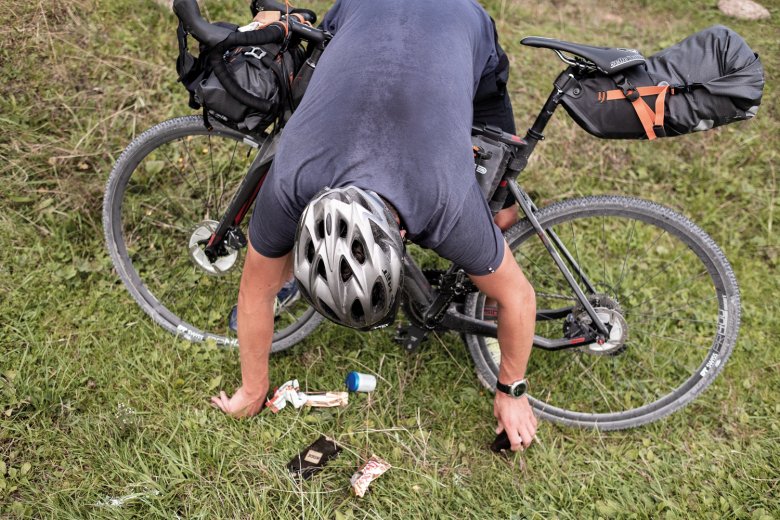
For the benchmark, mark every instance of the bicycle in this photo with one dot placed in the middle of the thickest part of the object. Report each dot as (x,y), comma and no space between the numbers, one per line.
(638,308)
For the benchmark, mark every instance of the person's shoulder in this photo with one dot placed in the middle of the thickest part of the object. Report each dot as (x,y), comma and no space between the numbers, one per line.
(333,18)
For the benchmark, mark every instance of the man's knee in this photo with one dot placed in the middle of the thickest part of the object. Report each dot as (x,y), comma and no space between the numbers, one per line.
(522,295)
(506,218)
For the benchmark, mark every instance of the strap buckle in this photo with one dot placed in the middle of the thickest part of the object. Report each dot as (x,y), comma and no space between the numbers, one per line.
(253,52)
(628,89)
(687,88)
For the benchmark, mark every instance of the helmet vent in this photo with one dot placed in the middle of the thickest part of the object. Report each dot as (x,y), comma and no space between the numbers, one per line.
(345,269)
(380,237)
(310,251)
(320,230)
(378,295)
(357,311)
(342,228)
(321,270)
(327,311)
(358,251)
(328,225)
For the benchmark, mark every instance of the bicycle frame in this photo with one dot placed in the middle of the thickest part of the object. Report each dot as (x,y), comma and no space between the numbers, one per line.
(420,292)
(436,303)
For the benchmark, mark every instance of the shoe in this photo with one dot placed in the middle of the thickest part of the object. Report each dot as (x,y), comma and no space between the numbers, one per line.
(285,298)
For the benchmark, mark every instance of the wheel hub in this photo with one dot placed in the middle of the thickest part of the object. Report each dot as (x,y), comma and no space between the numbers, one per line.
(609,312)
(198,240)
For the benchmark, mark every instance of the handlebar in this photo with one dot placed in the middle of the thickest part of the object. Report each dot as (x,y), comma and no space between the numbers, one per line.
(221,39)
(189,13)
(213,35)
(271,5)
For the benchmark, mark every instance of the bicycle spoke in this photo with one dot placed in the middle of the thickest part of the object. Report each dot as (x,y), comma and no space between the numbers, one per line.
(675,309)
(179,170)
(625,259)
(577,252)
(222,177)
(673,290)
(604,249)
(603,391)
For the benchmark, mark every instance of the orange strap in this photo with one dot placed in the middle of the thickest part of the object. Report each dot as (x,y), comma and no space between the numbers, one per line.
(281,24)
(300,18)
(648,118)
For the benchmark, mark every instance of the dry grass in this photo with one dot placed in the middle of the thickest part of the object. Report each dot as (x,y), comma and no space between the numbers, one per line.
(80,78)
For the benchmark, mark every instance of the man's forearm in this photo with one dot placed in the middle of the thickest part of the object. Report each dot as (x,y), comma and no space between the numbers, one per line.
(255,333)
(515,337)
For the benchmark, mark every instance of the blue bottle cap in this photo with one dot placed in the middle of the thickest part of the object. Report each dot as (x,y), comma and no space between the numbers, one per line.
(353,381)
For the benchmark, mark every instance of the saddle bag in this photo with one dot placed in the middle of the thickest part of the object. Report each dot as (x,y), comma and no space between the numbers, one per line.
(709,79)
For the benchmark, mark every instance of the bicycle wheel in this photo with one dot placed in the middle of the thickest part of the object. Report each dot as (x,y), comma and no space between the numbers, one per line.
(166,192)
(669,294)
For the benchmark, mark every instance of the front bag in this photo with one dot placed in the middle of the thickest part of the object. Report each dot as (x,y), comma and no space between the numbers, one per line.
(264,71)
(709,79)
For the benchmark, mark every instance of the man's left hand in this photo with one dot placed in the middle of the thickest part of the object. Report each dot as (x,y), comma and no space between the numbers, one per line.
(517,418)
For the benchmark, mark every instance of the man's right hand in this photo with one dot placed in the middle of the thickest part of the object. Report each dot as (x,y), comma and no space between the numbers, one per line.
(260,282)
(242,404)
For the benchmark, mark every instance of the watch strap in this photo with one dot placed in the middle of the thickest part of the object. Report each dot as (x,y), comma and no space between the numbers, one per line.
(510,390)
(503,388)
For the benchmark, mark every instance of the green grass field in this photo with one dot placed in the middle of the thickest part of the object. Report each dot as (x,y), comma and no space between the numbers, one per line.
(97,403)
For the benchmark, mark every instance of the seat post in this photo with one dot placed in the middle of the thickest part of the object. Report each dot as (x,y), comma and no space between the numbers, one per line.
(536,132)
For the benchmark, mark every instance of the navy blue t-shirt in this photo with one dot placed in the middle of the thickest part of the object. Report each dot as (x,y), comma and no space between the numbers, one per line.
(389,109)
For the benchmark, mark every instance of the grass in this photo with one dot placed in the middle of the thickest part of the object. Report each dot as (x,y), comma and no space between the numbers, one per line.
(98,403)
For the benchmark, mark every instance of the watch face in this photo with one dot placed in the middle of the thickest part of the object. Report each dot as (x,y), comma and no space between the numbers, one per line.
(519,388)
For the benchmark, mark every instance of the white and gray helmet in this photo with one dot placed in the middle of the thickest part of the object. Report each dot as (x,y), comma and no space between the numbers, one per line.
(349,258)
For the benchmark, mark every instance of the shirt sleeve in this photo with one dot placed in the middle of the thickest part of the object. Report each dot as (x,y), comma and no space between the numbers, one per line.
(332,18)
(271,229)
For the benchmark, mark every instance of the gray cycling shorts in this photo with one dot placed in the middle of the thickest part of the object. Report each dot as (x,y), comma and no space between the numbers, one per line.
(474,243)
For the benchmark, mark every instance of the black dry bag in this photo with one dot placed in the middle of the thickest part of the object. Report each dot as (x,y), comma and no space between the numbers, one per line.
(709,79)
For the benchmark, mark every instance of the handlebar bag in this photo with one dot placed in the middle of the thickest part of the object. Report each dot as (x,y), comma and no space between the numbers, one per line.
(262,71)
(709,79)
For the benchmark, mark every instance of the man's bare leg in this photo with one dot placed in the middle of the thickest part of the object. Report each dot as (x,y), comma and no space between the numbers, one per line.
(507,217)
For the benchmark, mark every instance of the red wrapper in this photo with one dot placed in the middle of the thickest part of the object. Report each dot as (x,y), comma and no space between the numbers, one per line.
(366,474)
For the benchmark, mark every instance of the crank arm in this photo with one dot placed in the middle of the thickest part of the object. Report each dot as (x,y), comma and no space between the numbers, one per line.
(459,322)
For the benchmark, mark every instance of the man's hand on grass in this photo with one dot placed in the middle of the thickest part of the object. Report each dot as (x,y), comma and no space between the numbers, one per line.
(242,404)
(517,418)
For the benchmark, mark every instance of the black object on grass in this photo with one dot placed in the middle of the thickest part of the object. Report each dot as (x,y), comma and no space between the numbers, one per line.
(313,459)
(501,443)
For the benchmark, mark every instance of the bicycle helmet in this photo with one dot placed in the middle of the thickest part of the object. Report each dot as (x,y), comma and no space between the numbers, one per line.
(348,258)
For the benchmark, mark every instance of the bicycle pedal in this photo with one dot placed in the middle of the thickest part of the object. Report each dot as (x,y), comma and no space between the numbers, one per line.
(410,337)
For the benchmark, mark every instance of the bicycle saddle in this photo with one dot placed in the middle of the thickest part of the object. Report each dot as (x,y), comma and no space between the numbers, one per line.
(608,60)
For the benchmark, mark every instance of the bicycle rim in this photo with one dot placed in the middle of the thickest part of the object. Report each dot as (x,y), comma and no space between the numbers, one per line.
(166,192)
(671,284)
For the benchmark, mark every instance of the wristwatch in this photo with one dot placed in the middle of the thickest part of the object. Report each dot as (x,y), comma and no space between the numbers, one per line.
(517,389)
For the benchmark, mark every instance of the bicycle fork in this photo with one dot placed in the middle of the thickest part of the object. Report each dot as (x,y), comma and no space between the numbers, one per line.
(228,235)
